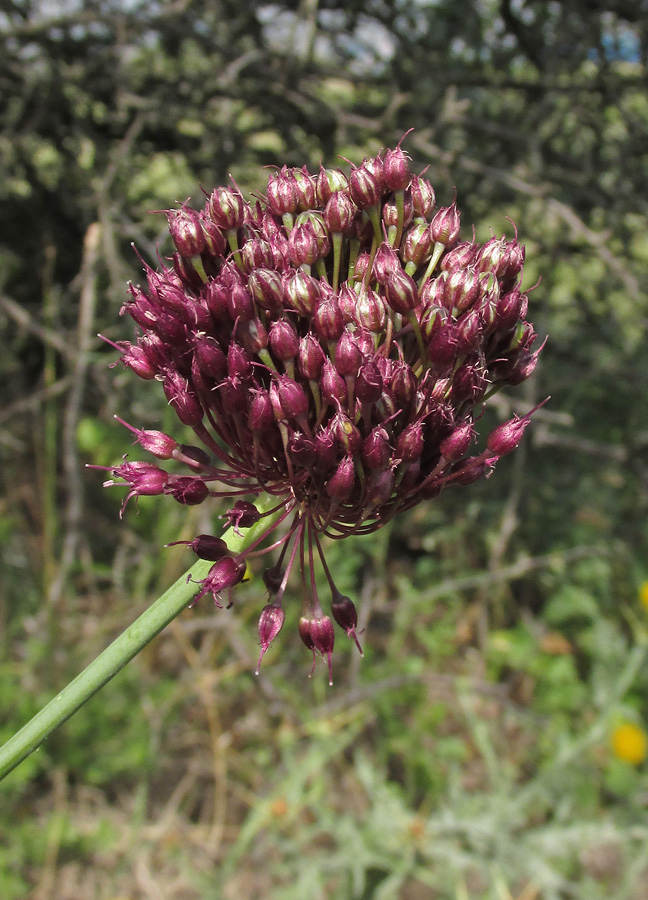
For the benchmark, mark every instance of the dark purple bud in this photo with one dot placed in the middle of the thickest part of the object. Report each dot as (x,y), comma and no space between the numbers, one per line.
(344,612)
(339,213)
(260,415)
(137,360)
(403,383)
(469,331)
(240,303)
(443,345)
(182,398)
(409,445)
(187,490)
(376,450)
(332,384)
(223,575)
(369,382)
(188,452)
(396,171)
(457,442)
(374,164)
(284,340)
(272,578)
(216,294)
(271,622)
(380,487)
(239,364)
(445,225)
(340,485)
(401,292)
(523,368)
(510,308)
(347,356)
(209,356)
(144,478)
(311,357)
(422,194)
(186,231)
(468,471)
(364,187)
(328,321)
(292,397)
(227,208)
(266,288)
(318,634)
(347,300)
(513,261)
(242,515)
(254,336)
(326,450)
(205,546)
(234,396)
(302,450)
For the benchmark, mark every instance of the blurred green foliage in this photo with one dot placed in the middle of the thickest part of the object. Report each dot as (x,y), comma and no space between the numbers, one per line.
(467,756)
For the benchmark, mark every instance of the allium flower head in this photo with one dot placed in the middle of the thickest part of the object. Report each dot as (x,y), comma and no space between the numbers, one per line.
(331,347)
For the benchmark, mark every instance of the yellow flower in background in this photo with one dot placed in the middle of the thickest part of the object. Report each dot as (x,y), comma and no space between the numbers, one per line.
(629,743)
(643,594)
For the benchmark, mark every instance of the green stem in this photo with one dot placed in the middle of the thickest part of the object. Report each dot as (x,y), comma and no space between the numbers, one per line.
(122,650)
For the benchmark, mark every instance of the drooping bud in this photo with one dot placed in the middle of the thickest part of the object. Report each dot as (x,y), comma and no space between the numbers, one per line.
(223,575)
(187,490)
(271,622)
(508,435)
(344,612)
(318,635)
(340,485)
(242,515)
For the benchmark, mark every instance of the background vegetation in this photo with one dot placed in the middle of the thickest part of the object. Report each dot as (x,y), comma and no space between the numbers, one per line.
(468,755)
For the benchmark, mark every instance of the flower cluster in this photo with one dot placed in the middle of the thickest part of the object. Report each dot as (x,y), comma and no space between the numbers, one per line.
(330,345)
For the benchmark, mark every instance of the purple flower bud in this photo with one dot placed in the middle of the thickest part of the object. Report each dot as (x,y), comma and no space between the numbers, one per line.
(325,447)
(260,415)
(328,182)
(186,404)
(433,320)
(328,321)
(347,356)
(369,382)
(242,515)
(209,356)
(144,478)
(223,575)
(318,634)
(302,292)
(339,213)
(443,346)
(417,244)
(271,622)
(370,310)
(457,442)
(156,442)
(315,221)
(187,490)
(282,192)
(284,340)
(340,485)
(401,292)
(422,194)
(461,256)
(344,612)
(333,386)
(311,357)
(508,435)
(306,189)
(186,231)
(272,578)
(492,257)
(386,264)
(403,383)
(390,215)
(445,225)
(266,288)
(234,396)
(303,247)
(468,471)
(469,331)
(396,171)
(137,360)
(240,303)
(376,450)
(227,208)
(409,445)
(205,546)
(461,290)
(510,308)
(239,364)
(364,187)
(346,433)
(215,242)
(302,450)
(292,397)
(380,487)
